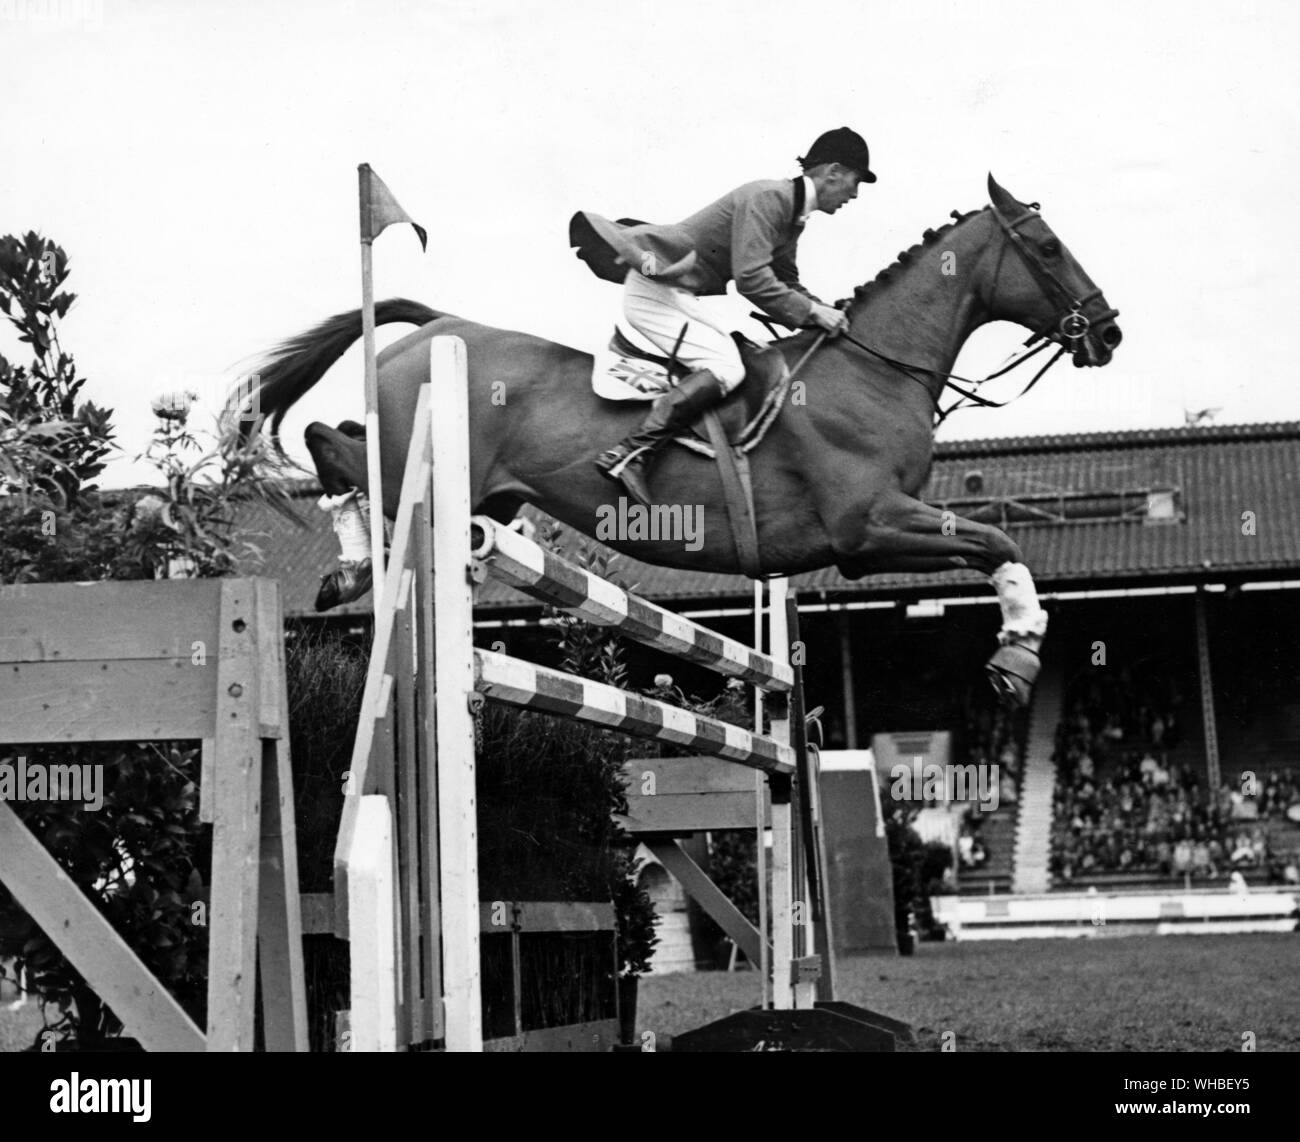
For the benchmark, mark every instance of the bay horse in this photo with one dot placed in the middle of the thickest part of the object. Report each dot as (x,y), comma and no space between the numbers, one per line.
(836,478)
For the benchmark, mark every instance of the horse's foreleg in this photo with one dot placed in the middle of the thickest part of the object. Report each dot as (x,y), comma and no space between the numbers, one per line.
(899,533)
(1014,667)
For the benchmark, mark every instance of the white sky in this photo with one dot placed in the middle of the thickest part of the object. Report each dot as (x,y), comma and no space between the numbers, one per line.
(198,162)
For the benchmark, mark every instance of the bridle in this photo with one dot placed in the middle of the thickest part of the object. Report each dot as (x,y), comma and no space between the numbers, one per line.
(1066,328)
(1073,324)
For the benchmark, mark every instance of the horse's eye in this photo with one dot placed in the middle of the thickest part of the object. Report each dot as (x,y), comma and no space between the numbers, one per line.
(1051,247)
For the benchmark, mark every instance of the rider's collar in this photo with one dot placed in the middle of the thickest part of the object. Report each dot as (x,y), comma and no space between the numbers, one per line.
(809,198)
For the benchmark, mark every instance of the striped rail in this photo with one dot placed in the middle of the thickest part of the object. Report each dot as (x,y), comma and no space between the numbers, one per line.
(520,683)
(517,560)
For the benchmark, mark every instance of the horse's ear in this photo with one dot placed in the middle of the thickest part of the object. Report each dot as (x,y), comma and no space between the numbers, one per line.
(1000,198)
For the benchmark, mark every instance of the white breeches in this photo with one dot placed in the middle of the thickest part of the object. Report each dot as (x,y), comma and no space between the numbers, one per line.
(658,312)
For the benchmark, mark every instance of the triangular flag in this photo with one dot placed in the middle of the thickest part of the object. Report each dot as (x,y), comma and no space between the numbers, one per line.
(379,209)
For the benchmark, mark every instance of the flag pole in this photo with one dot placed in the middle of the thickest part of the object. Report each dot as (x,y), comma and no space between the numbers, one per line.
(374,473)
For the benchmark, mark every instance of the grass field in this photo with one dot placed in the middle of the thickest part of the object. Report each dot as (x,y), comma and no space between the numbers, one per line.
(1137,993)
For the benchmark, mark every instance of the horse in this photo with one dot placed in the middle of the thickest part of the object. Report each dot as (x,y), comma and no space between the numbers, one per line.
(835,480)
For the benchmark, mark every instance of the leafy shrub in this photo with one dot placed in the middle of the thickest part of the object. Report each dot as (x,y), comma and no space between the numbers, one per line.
(138,858)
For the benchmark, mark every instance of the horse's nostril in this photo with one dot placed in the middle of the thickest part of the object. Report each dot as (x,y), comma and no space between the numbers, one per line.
(1111,336)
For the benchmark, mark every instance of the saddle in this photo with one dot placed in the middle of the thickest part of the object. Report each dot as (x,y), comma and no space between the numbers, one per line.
(724,434)
(745,414)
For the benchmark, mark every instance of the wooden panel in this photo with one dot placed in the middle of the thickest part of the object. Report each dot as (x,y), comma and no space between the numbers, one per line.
(691,812)
(79,622)
(578,1038)
(317,913)
(133,700)
(279,929)
(686,775)
(410,1011)
(372,920)
(272,697)
(784,995)
(427,775)
(546,916)
(235,803)
(692,794)
(207,762)
(103,958)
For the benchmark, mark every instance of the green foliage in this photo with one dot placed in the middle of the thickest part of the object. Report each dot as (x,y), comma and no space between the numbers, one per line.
(907,854)
(57,525)
(50,446)
(138,858)
(325,675)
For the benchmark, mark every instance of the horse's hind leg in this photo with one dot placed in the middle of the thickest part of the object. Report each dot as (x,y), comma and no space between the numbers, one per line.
(339,455)
(899,533)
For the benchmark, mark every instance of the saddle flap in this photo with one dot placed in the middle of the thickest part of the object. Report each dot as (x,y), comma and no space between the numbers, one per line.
(765,369)
(627,371)
(623,345)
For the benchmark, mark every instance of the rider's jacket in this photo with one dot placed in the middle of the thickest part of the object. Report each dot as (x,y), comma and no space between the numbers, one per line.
(749,236)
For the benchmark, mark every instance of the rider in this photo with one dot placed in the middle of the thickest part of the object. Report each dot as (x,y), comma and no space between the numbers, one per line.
(750,236)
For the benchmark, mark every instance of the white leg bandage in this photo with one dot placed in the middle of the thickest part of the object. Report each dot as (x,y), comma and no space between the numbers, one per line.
(350,514)
(1021,612)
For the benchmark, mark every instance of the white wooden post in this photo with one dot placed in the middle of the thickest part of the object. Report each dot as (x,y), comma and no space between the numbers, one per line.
(782,822)
(372,923)
(453,656)
(803,995)
(760,819)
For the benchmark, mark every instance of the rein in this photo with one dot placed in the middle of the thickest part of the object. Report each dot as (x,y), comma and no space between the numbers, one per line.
(910,371)
(1070,329)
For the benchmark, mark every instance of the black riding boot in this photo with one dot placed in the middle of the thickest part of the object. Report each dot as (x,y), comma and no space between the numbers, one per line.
(627,461)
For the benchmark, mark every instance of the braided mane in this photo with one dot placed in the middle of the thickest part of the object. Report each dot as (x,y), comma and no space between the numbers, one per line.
(928,238)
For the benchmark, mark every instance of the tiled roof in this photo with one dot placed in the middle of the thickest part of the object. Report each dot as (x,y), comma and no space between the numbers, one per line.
(1215,474)
(1126,438)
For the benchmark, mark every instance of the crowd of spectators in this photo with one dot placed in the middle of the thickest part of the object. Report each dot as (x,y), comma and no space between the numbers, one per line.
(991,735)
(1279,792)
(1122,806)
(970,845)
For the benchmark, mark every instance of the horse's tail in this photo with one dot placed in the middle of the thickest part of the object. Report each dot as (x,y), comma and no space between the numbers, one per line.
(295,365)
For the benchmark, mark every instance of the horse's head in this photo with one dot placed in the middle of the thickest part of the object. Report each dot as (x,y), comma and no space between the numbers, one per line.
(1036,282)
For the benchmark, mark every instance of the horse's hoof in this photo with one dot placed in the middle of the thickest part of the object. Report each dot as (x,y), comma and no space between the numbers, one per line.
(345,584)
(1013,670)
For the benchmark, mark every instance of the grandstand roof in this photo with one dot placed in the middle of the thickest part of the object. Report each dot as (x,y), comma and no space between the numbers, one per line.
(1084,508)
